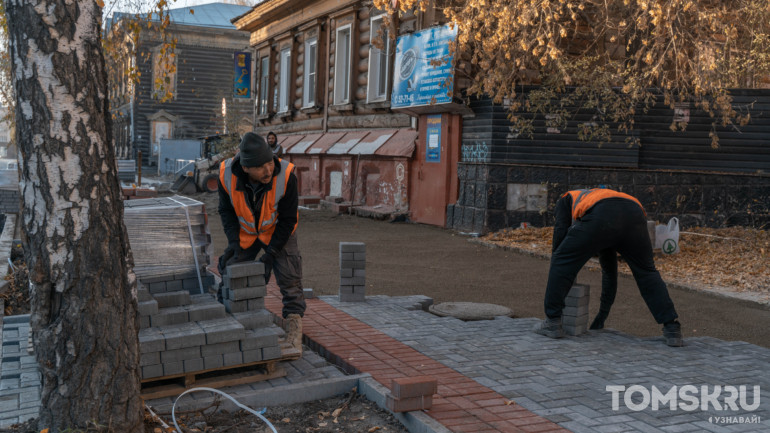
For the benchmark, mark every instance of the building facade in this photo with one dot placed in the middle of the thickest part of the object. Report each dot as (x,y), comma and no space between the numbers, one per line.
(198,95)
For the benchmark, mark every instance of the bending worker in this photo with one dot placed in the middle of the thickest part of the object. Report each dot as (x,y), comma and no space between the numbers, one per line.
(590,221)
(258,207)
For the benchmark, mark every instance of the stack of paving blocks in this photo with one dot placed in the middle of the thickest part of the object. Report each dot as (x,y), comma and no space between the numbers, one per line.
(575,315)
(170,241)
(411,393)
(352,272)
(183,333)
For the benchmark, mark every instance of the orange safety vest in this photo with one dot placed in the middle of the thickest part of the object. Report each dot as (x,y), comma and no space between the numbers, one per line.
(268,215)
(585,199)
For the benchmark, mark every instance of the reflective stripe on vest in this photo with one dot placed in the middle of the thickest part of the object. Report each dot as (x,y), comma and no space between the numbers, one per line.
(585,199)
(268,213)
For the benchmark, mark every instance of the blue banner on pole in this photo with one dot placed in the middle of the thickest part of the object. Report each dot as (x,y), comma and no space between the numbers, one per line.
(418,82)
(242,75)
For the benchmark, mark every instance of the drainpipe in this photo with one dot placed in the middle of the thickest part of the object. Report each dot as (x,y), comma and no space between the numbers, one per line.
(326,78)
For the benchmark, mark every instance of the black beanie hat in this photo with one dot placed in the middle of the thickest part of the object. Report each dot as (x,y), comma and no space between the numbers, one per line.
(254,150)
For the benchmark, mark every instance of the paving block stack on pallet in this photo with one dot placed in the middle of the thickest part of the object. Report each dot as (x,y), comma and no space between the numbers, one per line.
(575,314)
(352,272)
(183,333)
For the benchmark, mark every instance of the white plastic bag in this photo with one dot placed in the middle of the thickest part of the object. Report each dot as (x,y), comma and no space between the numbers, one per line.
(667,237)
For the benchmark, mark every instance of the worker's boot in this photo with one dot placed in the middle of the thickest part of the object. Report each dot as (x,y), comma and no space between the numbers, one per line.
(672,333)
(294,331)
(550,328)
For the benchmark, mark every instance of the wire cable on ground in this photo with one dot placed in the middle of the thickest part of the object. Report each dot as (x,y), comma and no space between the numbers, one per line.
(216,391)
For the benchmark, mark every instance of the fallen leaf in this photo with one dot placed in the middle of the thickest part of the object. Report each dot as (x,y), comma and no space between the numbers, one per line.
(508,402)
(375,428)
(287,420)
(322,424)
(337,412)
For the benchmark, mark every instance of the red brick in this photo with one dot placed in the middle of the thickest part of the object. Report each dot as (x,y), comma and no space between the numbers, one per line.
(405,387)
(408,404)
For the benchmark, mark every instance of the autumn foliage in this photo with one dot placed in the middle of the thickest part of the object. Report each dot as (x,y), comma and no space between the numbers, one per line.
(616,55)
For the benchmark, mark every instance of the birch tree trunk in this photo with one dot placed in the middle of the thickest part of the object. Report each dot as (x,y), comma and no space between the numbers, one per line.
(82,284)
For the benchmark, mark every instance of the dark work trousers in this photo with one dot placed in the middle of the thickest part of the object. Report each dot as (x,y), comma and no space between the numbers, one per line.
(287,268)
(618,224)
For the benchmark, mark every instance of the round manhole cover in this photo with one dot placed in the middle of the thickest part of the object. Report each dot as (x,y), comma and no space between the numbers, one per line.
(470,310)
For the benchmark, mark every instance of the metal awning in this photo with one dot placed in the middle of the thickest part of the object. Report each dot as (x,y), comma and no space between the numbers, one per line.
(380,142)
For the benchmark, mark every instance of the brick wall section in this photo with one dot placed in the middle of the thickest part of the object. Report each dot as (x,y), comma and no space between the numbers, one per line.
(485,202)
(461,404)
(9,200)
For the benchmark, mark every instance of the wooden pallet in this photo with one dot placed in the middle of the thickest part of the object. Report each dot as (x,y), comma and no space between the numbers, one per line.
(172,385)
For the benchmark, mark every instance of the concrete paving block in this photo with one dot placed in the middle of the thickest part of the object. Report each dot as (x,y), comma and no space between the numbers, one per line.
(220,348)
(246,293)
(222,330)
(159,287)
(346,272)
(143,295)
(146,281)
(151,340)
(232,359)
(272,352)
(353,297)
(355,281)
(307,292)
(150,371)
(151,358)
(575,311)
(236,306)
(255,304)
(202,298)
(359,272)
(235,282)
(574,321)
(210,362)
(579,290)
(353,264)
(173,368)
(359,289)
(147,308)
(170,316)
(353,247)
(183,335)
(359,256)
(174,285)
(185,275)
(144,322)
(206,311)
(173,298)
(347,256)
(256,281)
(576,330)
(254,319)
(191,284)
(252,356)
(346,290)
(581,301)
(259,338)
(193,365)
(245,269)
(178,355)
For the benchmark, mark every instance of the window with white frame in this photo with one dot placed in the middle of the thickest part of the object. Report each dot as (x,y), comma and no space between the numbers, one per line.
(283,92)
(379,63)
(342,66)
(311,54)
(264,84)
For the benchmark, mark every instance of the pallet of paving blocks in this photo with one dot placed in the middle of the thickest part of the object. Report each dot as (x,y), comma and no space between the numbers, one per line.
(352,272)
(188,340)
(575,313)
(170,242)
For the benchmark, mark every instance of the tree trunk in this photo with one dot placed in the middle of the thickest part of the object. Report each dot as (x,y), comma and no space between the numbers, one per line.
(82,284)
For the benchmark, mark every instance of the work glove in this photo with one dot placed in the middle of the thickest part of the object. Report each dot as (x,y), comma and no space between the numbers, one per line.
(268,258)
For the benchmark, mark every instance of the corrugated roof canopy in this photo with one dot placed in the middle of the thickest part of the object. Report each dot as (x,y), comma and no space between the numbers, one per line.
(382,142)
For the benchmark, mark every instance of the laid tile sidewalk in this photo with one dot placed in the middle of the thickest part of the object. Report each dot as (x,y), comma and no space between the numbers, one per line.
(19,376)
(565,380)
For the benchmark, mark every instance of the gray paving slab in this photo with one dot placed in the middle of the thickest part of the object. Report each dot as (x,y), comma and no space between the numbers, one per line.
(566,380)
(19,376)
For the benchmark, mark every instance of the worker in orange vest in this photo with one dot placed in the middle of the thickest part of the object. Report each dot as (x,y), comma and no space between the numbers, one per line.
(258,200)
(591,221)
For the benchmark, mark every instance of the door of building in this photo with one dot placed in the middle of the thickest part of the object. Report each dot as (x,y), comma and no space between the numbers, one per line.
(433,176)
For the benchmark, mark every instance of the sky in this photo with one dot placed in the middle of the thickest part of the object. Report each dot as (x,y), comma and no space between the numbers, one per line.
(134,6)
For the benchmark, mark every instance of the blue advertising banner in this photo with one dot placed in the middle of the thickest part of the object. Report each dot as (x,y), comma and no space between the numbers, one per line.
(242,75)
(416,81)
(433,140)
